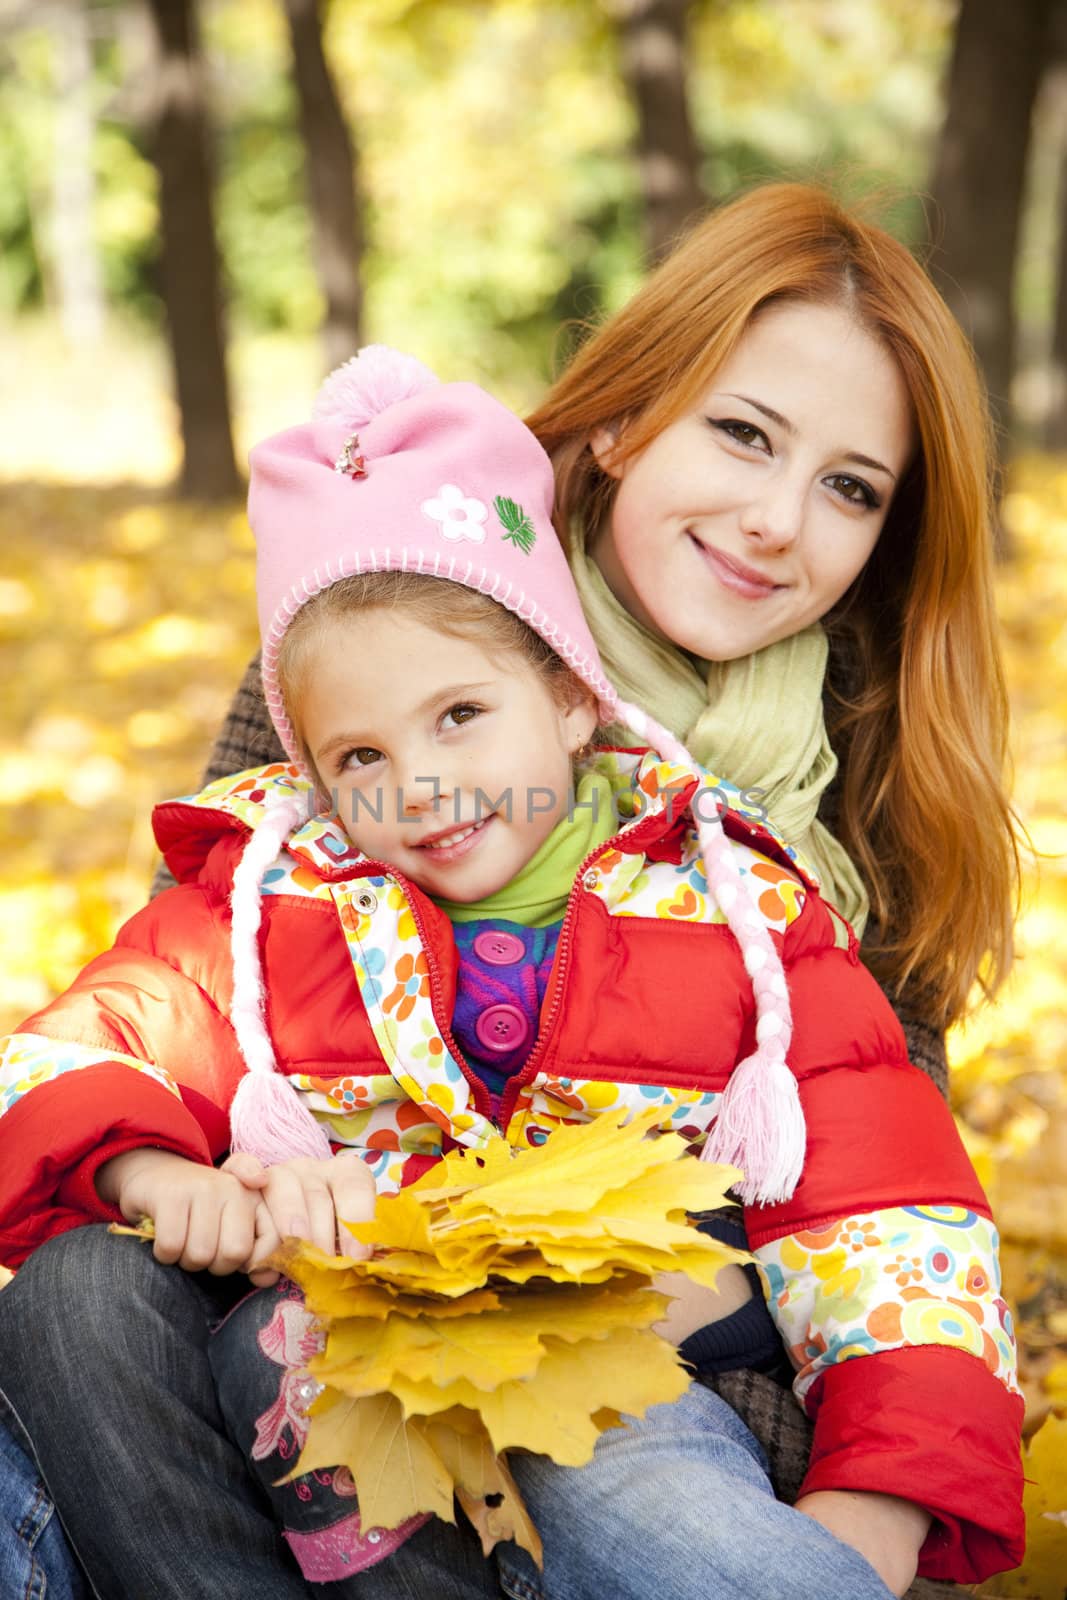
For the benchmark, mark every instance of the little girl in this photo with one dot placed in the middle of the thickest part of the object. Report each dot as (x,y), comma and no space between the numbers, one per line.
(447,916)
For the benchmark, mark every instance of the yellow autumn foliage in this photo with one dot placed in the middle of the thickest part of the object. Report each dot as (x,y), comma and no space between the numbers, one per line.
(507,1304)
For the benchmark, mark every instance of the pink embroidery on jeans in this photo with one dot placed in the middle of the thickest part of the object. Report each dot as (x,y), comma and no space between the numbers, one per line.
(290,1339)
(337,1552)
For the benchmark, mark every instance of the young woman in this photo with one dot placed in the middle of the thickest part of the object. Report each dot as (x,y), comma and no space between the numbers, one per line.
(875,739)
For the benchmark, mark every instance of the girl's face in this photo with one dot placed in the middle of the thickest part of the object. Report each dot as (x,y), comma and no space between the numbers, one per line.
(748,518)
(452,765)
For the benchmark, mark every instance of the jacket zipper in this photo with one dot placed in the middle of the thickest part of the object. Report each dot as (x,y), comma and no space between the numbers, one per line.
(483,1100)
(526,1074)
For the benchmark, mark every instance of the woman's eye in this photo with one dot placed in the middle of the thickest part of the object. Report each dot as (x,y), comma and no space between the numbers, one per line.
(741,432)
(457,715)
(854,490)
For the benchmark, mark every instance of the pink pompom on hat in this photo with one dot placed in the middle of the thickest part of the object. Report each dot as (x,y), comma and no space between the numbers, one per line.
(400,472)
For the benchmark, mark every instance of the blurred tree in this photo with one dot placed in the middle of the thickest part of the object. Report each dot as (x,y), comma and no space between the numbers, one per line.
(75,257)
(980,174)
(653,38)
(331,181)
(1056,425)
(1056,90)
(192,291)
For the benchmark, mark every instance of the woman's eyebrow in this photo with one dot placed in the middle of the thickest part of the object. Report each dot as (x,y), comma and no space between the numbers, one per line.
(783,422)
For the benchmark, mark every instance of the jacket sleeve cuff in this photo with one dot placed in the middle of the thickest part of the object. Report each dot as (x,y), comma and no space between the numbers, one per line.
(933,1426)
(64,1131)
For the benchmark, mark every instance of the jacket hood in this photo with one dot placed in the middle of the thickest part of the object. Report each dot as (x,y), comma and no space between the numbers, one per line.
(652,798)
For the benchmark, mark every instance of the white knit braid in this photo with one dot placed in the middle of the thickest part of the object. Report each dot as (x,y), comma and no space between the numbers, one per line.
(267,1116)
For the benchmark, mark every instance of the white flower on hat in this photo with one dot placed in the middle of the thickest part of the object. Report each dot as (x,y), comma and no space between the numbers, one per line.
(460,517)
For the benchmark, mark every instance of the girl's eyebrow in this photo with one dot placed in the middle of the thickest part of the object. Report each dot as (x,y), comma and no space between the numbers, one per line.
(789,427)
(452,691)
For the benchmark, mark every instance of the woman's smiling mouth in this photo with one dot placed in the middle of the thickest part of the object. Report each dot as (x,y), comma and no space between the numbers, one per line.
(736,575)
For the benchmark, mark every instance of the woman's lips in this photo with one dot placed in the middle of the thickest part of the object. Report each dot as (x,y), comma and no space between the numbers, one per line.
(735,575)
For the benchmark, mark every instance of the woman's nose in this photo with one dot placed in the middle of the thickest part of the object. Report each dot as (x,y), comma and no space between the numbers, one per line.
(775,519)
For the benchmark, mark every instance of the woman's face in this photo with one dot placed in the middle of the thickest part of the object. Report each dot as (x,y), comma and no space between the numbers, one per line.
(748,518)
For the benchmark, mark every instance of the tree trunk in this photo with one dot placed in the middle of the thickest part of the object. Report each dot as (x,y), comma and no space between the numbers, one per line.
(980,174)
(653,36)
(75,261)
(1056,418)
(330,170)
(192,291)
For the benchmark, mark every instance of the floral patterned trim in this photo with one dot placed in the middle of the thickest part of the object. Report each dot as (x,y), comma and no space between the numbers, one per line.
(28,1060)
(889,1280)
(549,1101)
(631,887)
(392,972)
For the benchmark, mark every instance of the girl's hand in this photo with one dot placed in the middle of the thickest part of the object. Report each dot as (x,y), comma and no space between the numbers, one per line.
(307,1199)
(204,1220)
(887,1531)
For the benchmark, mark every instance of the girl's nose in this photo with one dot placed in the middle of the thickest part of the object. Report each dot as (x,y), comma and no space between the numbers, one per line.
(421,793)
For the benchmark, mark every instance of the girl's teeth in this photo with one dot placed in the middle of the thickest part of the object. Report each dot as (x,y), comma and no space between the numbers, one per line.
(452,838)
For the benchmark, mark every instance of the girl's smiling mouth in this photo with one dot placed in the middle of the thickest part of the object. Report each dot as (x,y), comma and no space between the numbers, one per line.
(452,844)
(735,575)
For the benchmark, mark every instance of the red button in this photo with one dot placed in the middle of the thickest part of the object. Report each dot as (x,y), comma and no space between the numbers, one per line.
(499,949)
(502,1028)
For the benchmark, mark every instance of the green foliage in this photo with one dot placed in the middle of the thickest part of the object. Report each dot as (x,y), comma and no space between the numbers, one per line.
(494,141)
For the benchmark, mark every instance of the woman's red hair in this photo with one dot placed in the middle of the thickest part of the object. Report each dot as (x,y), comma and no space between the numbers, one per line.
(917,709)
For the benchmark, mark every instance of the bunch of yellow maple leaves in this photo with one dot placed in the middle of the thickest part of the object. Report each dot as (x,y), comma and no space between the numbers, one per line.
(507,1304)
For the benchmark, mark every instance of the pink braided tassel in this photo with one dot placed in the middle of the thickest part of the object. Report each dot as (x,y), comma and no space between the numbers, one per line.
(760,1124)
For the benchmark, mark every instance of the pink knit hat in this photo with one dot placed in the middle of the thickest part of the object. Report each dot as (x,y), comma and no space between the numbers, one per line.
(399,472)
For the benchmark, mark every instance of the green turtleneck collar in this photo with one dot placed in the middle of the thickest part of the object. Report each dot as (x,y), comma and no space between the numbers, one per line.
(538,894)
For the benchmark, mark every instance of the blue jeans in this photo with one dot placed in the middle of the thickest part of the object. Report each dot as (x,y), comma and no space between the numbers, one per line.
(675,1506)
(106,1359)
(35,1561)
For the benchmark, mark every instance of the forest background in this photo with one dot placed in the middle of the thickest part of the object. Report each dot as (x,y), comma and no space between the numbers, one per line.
(204,208)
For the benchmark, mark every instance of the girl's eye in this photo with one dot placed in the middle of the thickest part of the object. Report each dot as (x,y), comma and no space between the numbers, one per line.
(457,715)
(745,433)
(363,755)
(854,490)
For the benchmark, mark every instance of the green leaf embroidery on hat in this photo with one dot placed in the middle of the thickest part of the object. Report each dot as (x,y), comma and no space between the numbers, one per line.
(516,523)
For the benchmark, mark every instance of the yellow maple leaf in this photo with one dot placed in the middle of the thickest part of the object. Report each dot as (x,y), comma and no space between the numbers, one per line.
(583,1162)
(396,1469)
(1042,1574)
(487,1348)
(460,1439)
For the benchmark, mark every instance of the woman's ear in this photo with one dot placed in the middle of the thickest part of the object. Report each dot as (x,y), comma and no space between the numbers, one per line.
(604,443)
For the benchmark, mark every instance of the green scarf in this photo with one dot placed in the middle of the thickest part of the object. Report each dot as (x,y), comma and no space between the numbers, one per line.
(538,895)
(757,721)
